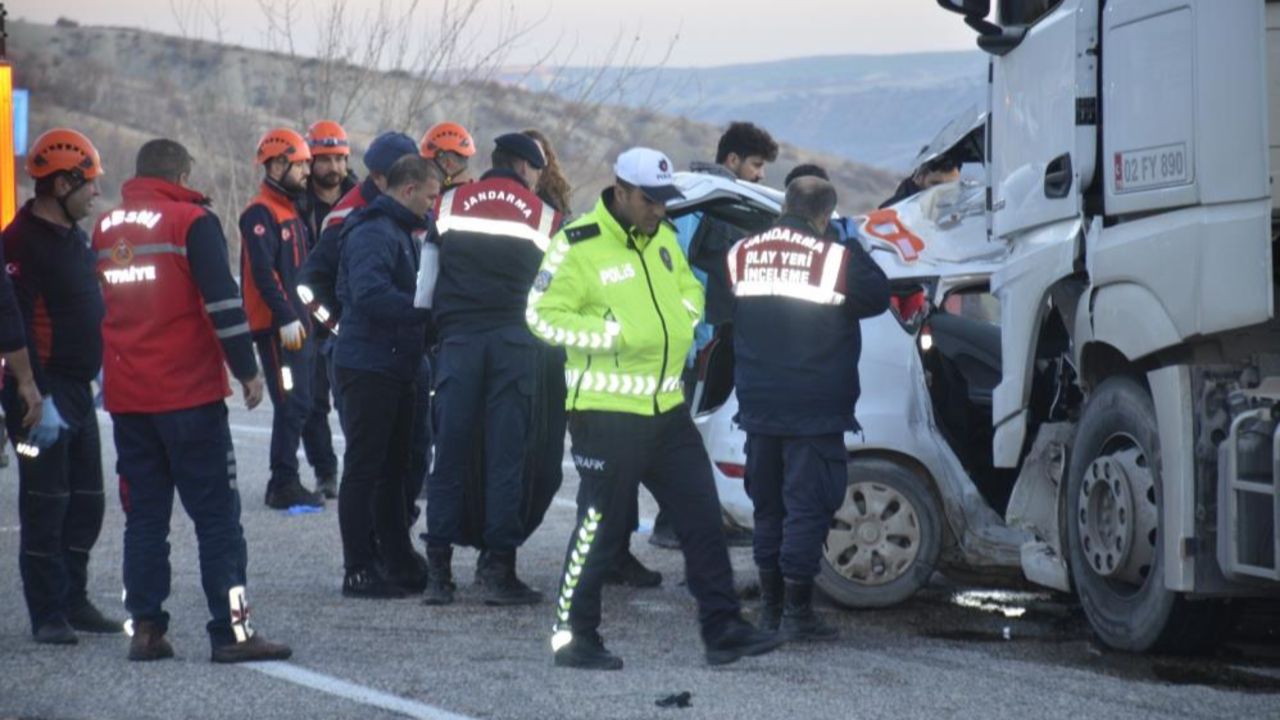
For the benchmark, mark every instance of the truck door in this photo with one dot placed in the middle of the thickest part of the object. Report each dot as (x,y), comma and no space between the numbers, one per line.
(1043,114)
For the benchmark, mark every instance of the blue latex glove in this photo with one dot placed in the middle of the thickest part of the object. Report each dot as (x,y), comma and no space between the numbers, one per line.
(846,230)
(46,432)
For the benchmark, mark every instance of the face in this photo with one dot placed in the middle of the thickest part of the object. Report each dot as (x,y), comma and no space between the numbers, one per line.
(638,210)
(451,163)
(420,198)
(80,202)
(528,173)
(328,171)
(749,169)
(295,178)
(938,177)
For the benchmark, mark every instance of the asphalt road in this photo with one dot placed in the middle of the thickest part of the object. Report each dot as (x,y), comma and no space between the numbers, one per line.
(951,652)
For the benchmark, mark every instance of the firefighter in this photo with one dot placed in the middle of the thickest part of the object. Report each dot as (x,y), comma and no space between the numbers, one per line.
(450,147)
(60,500)
(493,233)
(173,318)
(799,299)
(273,246)
(617,293)
(329,181)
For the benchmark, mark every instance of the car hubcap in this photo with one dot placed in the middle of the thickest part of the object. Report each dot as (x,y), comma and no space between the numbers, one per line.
(1117,516)
(875,535)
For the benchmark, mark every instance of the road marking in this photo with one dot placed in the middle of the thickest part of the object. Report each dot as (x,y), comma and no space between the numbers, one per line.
(338,687)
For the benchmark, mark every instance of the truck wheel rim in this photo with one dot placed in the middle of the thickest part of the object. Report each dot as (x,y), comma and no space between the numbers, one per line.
(1118,517)
(875,536)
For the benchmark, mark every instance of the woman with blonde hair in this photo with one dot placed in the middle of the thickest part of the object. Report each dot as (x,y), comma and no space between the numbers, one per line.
(553,187)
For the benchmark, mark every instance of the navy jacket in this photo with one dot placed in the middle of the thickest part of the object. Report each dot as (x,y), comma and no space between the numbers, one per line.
(798,302)
(381,330)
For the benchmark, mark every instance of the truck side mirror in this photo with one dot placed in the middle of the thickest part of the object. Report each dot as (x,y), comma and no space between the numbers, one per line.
(972,8)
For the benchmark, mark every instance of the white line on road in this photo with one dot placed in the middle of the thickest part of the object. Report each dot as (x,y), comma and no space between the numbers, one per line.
(350,691)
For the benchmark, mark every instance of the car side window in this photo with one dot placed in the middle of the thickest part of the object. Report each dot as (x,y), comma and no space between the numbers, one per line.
(1025,12)
(973,304)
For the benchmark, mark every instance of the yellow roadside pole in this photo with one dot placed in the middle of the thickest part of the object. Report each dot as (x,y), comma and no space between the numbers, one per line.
(8,174)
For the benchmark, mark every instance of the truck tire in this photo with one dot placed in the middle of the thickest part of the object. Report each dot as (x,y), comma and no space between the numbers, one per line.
(884,541)
(1114,499)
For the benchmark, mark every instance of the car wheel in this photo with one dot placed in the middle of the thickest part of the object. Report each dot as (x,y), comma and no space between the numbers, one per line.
(884,540)
(1114,499)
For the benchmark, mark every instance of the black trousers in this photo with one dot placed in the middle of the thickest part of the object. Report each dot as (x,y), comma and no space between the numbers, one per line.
(317,439)
(289,381)
(615,453)
(60,503)
(796,485)
(372,512)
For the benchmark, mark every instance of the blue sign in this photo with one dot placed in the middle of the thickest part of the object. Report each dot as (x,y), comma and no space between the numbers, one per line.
(21,102)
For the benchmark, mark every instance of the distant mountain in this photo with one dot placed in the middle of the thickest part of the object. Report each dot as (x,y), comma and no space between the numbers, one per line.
(875,109)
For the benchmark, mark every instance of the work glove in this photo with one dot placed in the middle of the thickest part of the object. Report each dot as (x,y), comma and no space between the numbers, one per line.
(46,432)
(292,335)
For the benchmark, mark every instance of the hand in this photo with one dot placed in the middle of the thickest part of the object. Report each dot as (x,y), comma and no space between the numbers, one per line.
(46,432)
(30,395)
(292,335)
(254,388)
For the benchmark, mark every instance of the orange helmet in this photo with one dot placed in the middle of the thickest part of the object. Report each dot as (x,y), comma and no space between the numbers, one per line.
(283,141)
(447,137)
(327,137)
(63,150)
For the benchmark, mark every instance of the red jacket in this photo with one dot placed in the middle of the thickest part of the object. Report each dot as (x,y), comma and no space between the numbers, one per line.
(161,351)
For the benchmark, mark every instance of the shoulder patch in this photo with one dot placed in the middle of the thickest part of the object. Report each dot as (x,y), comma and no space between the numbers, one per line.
(581,232)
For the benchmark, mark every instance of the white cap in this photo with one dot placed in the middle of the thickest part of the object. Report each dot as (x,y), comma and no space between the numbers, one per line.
(650,171)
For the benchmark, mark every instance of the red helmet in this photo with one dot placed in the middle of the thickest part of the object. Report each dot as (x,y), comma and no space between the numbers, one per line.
(447,137)
(283,141)
(327,137)
(63,150)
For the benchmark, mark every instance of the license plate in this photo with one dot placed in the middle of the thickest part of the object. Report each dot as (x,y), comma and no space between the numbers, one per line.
(1152,168)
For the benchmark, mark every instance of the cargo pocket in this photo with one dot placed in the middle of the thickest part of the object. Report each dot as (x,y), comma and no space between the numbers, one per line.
(835,462)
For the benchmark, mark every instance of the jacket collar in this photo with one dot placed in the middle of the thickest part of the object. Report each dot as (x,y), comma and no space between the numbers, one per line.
(277,191)
(402,216)
(795,222)
(504,174)
(28,214)
(142,189)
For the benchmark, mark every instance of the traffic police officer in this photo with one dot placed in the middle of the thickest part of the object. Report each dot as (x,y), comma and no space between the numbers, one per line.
(173,317)
(60,500)
(617,293)
(799,298)
(493,233)
(273,246)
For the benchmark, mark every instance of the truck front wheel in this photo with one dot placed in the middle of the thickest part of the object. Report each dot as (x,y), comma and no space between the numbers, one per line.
(1114,499)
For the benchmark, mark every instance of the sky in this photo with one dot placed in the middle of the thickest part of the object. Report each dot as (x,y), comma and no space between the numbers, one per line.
(582,32)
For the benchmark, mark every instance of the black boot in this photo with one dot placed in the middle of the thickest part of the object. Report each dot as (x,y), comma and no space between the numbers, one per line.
(54,632)
(586,651)
(282,495)
(440,585)
(628,570)
(498,582)
(770,599)
(737,638)
(148,642)
(799,622)
(368,582)
(88,619)
(327,486)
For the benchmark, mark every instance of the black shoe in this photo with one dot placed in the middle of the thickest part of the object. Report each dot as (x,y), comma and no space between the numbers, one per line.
(498,582)
(799,622)
(289,494)
(55,632)
(369,583)
(627,570)
(148,642)
(254,649)
(771,591)
(664,536)
(88,619)
(586,651)
(440,585)
(409,573)
(736,639)
(327,486)
(735,536)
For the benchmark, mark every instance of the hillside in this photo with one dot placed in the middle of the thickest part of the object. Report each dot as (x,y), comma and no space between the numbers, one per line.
(875,109)
(123,86)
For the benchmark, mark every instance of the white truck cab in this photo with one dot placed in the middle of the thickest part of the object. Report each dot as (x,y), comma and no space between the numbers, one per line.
(1131,153)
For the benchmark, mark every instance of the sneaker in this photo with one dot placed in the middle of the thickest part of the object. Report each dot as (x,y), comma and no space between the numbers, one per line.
(88,619)
(55,632)
(586,651)
(327,486)
(369,583)
(254,649)
(628,570)
(736,639)
(499,584)
(288,494)
(148,642)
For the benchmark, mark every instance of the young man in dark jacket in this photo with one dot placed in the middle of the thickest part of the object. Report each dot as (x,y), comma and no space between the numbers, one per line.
(380,348)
